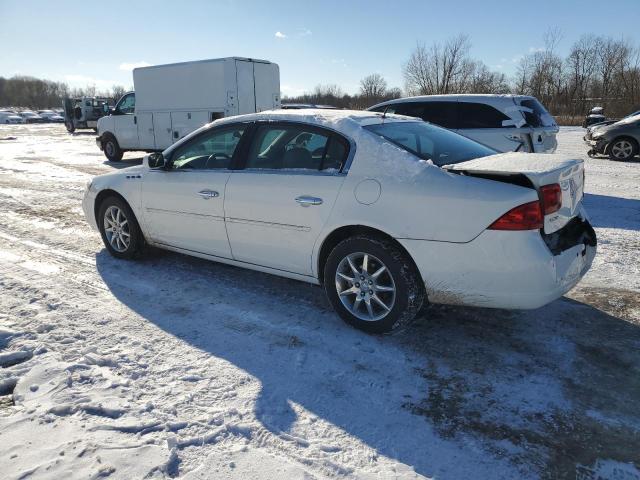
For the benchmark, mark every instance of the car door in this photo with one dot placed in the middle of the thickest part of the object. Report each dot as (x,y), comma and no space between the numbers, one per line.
(278,203)
(183,204)
(125,123)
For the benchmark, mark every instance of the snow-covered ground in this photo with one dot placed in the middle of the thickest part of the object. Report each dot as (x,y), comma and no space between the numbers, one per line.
(177,367)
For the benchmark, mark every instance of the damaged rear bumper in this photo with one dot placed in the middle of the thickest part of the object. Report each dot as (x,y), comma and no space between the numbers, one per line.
(514,270)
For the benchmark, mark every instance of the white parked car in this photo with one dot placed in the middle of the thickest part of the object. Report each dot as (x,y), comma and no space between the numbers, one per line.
(31,117)
(506,123)
(10,117)
(386,211)
(50,116)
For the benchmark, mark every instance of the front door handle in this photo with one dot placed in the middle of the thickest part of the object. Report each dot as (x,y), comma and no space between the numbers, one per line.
(306,200)
(207,194)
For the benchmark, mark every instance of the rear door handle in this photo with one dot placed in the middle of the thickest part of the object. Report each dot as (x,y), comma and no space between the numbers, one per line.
(306,200)
(207,194)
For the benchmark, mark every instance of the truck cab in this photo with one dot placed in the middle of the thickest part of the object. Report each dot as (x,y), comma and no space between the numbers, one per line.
(170,101)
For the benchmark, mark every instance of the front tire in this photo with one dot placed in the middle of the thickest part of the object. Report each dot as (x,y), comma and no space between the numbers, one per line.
(119,228)
(372,284)
(623,149)
(111,149)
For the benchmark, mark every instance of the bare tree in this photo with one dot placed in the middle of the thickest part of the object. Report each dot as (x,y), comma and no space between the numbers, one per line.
(117,91)
(373,86)
(447,68)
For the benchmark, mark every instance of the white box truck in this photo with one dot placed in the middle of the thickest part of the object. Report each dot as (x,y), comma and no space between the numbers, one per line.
(170,101)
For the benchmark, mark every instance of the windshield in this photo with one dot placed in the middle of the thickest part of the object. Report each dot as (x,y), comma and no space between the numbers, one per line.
(429,142)
(539,117)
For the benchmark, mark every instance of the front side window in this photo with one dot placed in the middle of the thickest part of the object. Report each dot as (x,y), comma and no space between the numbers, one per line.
(430,142)
(127,104)
(210,151)
(278,147)
(478,115)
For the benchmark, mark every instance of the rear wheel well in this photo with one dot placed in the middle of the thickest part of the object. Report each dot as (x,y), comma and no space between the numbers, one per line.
(345,232)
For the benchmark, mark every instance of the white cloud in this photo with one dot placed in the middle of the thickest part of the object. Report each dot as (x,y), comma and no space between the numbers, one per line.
(280,35)
(536,49)
(304,32)
(130,66)
(291,90)
(84,81)
(339,61)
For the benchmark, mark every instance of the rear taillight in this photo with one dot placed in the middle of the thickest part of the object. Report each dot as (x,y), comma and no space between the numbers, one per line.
(525,217)
(551,198)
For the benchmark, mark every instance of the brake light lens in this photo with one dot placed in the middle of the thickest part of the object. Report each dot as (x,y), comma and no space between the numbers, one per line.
(551,198)
(525,217)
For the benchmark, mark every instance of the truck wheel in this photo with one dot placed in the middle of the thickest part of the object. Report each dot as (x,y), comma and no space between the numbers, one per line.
(119,228)
(70,126)
(372,284)
(112,149)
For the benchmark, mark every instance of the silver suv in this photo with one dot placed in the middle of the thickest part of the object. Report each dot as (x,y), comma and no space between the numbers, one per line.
(505,123)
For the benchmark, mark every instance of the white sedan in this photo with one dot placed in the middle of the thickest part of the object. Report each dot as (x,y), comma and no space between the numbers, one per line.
(385,211)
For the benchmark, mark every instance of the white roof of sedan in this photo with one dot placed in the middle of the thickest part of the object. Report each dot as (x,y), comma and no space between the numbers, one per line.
(319,116)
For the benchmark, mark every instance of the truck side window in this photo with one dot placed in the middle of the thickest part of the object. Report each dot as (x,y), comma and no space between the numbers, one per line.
(127,104)
(210,151)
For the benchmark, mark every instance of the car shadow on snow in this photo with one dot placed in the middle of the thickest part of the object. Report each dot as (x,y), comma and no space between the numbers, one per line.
(600,207)
(541,392)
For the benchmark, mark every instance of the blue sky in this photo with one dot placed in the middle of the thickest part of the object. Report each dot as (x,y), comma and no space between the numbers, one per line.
(325,41)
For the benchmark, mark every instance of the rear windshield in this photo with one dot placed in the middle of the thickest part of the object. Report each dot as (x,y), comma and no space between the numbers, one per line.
(539,117)
(429,142)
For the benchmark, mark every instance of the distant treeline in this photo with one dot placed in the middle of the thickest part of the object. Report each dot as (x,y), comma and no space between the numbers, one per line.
(35,93)
(598,71)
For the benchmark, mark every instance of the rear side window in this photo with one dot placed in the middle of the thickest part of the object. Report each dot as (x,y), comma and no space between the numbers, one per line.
(479,115)
(298,147)
(444,114)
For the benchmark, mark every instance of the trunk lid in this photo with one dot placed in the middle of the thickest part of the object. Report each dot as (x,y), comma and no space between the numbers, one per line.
(534,171)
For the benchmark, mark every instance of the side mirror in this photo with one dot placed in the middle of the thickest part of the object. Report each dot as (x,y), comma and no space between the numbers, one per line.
(156,160)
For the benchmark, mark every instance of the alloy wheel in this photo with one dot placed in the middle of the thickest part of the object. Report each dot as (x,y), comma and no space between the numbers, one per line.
(365,286)
(622,149)
(116,229)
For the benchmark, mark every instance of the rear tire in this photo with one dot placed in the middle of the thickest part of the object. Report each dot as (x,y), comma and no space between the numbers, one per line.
(119,228)
(372,284)
(111,149)
(623,149)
